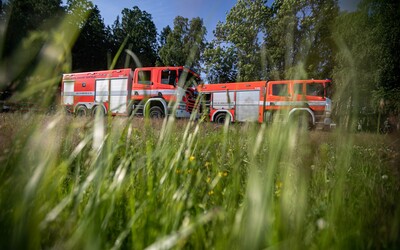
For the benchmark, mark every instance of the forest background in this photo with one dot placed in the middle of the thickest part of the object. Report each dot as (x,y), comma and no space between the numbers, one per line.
(286,40)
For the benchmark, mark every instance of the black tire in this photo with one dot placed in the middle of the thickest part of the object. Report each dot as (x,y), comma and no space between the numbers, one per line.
(156,112)
(98,109)
(302,120)
(81,111)
(220,118)
(268,117)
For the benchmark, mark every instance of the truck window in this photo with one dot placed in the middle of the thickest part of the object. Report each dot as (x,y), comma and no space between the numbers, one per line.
(315,89)
(298,88)
(189,79)
(168,77)
(280,89)
(144,77)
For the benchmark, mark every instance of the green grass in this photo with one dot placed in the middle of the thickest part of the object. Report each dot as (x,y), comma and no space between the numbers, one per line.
(133,183)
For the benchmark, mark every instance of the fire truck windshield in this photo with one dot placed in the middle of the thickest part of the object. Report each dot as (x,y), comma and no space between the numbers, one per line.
(315,89)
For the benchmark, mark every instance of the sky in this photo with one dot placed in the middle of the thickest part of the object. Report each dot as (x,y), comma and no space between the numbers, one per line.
(163,12)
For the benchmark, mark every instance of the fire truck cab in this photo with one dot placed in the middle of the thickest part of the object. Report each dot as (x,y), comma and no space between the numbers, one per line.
(152,91)
(289,100)
(267,101)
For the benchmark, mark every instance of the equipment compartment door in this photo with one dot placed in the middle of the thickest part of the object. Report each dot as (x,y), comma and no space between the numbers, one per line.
(247,105)
(223,100)
(68,92)
(102,90)
(119,94)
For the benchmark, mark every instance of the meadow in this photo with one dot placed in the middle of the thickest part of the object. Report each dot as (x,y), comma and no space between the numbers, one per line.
(134,183)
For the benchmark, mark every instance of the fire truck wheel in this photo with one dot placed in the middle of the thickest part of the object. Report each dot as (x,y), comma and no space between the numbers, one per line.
(302,120)
(220,118)
(98,109)
(81,111)
(156,112)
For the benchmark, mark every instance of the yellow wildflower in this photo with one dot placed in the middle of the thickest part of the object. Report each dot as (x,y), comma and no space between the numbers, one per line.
(278,187)
(222,174)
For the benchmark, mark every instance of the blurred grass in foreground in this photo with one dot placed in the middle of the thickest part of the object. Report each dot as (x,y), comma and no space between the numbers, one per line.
(132,183)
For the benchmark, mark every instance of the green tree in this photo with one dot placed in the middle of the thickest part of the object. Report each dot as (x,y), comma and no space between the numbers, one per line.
(164,35)
(368,61)
(239,36)
(138,34)
(90,50)
(26,27)
(298,40)
(162,40)
(2,14)
(25,16)
(384,20)
(220,63)
(2,26)
(185,43)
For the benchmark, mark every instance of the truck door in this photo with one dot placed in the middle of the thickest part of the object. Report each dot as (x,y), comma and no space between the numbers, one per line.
(119,95)
(166,87)
(102,94)
(278,95)
(247,105)
(68,92)
(315,95)
(144,85)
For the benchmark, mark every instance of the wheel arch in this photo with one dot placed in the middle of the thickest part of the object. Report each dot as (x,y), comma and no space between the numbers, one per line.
(156,102)
(98,105)
(297,110)
(82,104)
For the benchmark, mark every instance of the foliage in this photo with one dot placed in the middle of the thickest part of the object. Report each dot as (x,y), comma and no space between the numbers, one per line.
(220,63)
(354,63)
(298,41)
(25,16)
(90,50)
(164,35)
(366,68)
(184,44)
(25,26)
(139,31)
(384,20)
(238,35)
(162,40)
(2,13)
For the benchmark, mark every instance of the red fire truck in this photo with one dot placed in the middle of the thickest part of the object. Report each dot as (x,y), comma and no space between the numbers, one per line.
(152,91)
(266,101)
